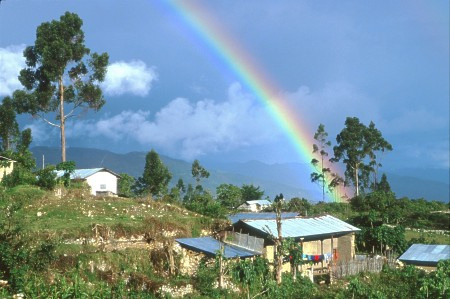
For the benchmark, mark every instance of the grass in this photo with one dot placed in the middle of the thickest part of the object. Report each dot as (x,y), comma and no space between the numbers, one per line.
(74,216)
(429,237)
(66,221)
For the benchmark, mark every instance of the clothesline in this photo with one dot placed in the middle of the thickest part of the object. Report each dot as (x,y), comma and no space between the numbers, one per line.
(317,257)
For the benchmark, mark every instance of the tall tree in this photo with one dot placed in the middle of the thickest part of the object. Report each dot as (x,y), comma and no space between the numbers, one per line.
(9,128)
(374,142)
(384,185)
(356,142)
(278,204)
(156,176)
(199,172)
(320,149)
(60,74)
(351,149)
(181,186)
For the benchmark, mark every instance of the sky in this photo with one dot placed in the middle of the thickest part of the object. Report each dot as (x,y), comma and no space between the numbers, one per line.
(167,88)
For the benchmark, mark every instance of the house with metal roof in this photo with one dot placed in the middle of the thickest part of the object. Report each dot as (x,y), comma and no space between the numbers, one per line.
(324,239)
(6,166)
(259,215)
(425,255)
(102,181)
(255,205)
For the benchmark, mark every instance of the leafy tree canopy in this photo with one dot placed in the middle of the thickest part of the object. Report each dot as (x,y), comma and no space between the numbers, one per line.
(125,184)
(354,143)
(61,73)
(230,196)
(156,176)
(9,128)
(199,172)
(251,192)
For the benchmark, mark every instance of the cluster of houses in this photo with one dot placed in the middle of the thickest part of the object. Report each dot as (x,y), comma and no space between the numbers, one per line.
(325,239)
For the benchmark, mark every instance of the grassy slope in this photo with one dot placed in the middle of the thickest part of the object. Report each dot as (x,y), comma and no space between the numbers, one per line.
(43,216)
(75,215)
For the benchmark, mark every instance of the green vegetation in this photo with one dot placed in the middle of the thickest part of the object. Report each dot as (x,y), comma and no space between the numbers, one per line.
(73,245)
(50,245)
(61,73)
(355,144)
(323,175)
(155,179)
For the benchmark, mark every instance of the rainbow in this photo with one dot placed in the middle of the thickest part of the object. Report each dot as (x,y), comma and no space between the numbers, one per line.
(238,61)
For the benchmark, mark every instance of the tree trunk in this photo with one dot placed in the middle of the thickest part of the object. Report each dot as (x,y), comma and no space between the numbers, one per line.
(221,274)
(62,120)
(294,272)
(323,182)
(357,180)
(278,245)
(375,175)
(6,143)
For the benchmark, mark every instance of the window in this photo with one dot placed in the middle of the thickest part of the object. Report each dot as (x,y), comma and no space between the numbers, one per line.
(103,186)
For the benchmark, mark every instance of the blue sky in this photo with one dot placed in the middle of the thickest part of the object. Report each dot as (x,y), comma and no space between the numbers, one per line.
(381,61)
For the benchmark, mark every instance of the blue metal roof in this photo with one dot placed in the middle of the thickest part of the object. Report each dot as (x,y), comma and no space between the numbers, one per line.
(83,173)
(211,246)
(241,216)
(303,227)
(425,255)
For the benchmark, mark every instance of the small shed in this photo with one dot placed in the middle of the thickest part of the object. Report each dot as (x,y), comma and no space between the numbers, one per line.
(425,255)
(195,249)
(101,180)
(255,205)
(6,166)
(210,247)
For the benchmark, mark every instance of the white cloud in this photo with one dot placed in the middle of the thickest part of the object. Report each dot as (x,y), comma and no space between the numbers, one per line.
(190,129)
(133,77)
(11,62)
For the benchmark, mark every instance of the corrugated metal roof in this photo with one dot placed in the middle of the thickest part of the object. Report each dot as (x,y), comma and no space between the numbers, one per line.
(265,215)
(427,255)
(83,173)
(7,159)
(303,227)
(211,246)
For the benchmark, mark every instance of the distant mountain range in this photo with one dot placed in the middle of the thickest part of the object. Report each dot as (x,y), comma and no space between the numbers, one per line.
(291,179)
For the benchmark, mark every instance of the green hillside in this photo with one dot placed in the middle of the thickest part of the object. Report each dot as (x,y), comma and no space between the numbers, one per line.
(78,242)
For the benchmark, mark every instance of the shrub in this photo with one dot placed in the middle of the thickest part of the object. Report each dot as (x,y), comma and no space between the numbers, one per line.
(46,178)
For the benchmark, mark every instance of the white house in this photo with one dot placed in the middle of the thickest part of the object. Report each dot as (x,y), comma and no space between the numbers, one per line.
(101,180)
(6,166)
(255,205)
